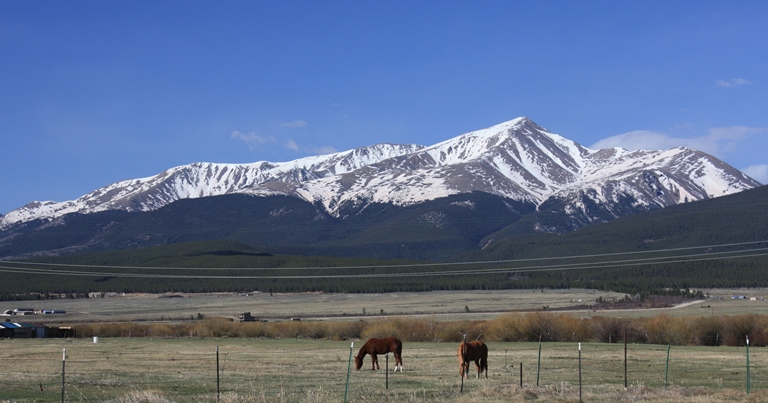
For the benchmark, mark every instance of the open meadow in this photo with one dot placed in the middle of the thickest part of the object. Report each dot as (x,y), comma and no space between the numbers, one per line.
(302,370)
(117,360)
(448,305)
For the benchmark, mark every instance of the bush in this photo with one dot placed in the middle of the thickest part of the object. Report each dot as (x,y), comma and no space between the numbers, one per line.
(663,329)
(709,331)
(611,330)
(530,327)
(737,328)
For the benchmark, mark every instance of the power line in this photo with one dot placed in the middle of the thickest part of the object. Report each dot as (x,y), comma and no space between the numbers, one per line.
(394,266)
(536,268)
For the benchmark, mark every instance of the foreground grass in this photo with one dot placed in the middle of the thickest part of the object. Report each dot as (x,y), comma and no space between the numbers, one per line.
(298,370)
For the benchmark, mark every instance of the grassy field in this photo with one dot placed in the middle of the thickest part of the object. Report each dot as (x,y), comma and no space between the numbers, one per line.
(142,369)
(442,304)
(290,370)
(448,305)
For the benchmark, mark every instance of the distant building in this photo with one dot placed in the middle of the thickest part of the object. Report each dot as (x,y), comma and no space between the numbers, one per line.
(27,331)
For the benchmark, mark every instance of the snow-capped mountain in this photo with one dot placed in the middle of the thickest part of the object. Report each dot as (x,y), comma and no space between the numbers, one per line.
(516,159)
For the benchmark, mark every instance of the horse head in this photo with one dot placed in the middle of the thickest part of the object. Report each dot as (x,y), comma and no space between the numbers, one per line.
(358,362)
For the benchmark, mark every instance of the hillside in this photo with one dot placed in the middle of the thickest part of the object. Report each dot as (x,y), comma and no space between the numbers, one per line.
(385,200)
(720,242)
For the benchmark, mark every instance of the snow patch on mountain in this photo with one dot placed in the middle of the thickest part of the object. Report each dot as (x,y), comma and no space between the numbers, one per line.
(517,159)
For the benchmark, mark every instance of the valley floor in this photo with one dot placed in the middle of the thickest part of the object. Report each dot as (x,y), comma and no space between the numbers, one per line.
(447,305)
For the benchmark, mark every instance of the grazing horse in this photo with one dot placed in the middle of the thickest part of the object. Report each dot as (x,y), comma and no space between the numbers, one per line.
(475,351)
(380,346)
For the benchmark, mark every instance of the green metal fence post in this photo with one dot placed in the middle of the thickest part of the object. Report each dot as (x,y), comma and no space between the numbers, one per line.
(538,367)
(349,369)
(666,369)
(625,359)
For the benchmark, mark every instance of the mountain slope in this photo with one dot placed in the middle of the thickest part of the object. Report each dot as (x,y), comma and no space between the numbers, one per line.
(285,224)
(711,243)
(516,160)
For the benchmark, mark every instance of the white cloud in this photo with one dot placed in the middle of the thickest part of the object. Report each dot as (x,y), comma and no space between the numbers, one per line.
(309,149)
(291,145)
(295,124)
(717,141)
(253,140)
(734,82)
(757,172)
(324,150)
(638,140)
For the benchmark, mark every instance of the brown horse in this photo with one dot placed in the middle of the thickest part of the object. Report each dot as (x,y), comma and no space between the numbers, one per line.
(380,346)
(475,351)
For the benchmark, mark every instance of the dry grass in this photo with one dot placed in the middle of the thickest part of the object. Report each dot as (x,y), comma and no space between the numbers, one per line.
(272,364)
(450,305)
(441,305)
(259,370)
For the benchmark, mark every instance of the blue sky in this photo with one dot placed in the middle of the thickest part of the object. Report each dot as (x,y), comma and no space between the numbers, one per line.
(94,92)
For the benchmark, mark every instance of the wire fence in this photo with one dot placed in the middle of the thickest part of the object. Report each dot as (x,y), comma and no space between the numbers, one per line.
(305,370)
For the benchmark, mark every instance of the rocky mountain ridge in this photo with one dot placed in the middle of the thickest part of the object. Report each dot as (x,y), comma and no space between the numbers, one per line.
(517,160)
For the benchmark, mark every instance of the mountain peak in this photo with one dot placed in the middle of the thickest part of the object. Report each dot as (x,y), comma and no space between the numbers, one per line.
(516,159)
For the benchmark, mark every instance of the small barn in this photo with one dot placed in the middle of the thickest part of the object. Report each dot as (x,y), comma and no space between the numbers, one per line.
(62,332)
(18,330)
(6,332)
(37,330)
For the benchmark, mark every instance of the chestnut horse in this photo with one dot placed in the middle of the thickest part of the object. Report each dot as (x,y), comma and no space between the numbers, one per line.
(380,346)
(475,351)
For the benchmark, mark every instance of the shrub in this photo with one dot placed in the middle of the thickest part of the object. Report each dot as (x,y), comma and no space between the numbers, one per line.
(611,330)
(737,328)
(709,331)
(574,329)
(663,329)
(540,326)
(506,327)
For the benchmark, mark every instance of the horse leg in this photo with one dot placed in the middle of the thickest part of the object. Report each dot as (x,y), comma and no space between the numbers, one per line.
(398,360)
(479,369)
(374,362)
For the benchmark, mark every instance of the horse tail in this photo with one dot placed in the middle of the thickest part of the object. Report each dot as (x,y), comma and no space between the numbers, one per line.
(484,360)
(395,346)
(464,359)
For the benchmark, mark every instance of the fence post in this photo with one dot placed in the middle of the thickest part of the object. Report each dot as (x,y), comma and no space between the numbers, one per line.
(538,367)
(386,370)
(666,369)
(748,379)
(521,374)
(63,368)
(579,372)
(625,359)
(349,367)
(218,388)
